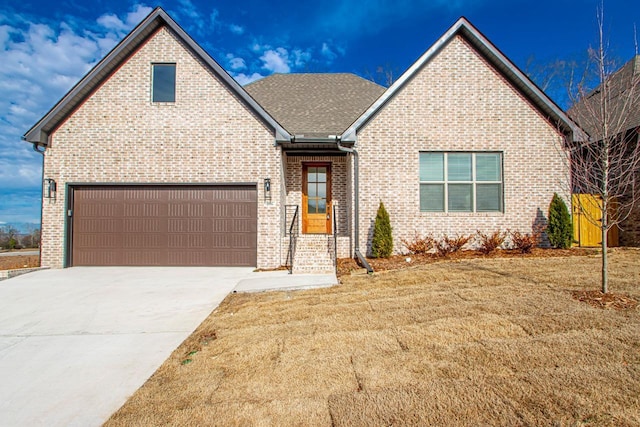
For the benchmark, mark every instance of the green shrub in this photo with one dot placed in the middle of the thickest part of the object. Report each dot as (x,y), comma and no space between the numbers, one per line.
(382,243)
(560,229)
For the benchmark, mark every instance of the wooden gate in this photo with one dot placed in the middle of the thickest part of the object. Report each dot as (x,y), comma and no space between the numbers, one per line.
(587,210)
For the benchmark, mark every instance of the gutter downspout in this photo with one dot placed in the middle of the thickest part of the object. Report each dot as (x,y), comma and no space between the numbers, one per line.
(356,213)
(35,148)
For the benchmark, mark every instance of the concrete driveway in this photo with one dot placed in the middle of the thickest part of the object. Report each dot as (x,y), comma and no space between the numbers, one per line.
(76,343)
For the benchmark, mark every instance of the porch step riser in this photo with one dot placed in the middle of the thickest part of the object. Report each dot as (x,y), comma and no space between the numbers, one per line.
(314,255)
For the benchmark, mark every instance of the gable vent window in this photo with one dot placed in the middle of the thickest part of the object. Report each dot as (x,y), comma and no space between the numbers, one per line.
(163,86)
(461,182)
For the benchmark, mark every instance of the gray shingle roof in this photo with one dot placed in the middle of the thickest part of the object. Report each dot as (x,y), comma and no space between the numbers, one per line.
(315,105)
(624,102)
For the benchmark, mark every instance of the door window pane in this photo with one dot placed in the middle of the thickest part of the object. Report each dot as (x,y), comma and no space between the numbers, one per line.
(164,83)
(459,167)
(322,190)
(312,204)
(488,167)
(311,189)
(312,175)
(322,206)
(322,175)
(460,197)
(488,197)
(432,197)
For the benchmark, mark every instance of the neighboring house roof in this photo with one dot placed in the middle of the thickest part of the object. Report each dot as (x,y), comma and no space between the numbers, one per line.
(624,105)
(39,133)
(315,105)
(500,62)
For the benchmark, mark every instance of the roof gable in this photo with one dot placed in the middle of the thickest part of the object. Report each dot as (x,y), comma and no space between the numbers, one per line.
(39,133)
(623,98)
(497,59)
(315,105)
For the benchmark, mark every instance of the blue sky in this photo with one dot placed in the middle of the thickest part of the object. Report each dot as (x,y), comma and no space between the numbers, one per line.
(46,47)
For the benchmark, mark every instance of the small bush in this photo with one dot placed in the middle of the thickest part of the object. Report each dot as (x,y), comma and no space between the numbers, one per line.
(418,245)
(488,243)
(525,242)
(448,245)
(458,242)
(560,229)
(382,242)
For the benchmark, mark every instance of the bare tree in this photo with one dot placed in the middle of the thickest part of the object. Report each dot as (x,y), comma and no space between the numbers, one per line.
(385,75)
(607,164)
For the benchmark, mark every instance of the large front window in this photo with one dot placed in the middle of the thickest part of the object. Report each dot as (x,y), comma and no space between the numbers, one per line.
(460,182)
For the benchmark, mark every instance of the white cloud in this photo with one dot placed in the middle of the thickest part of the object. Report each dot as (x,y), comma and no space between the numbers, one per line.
(276,60)
(213,17)
(236,63)
(326,51)
(40,63)
(244,79)
(136,16)
(112,22)
(236,29)
(300,57)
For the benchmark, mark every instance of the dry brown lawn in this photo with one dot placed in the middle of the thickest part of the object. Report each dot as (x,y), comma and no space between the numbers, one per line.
(18,261)
(461,342)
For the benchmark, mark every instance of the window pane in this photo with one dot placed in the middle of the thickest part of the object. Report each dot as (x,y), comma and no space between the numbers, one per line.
(322,189)
(322,206)
(311,189)
(164,83)
(459,167)
(489,198)
(431,167)
(432,197)
(322,174)
(488,167)
(460,197)
(311,205)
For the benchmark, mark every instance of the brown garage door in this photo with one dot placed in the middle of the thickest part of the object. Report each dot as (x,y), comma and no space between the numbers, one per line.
(164,225)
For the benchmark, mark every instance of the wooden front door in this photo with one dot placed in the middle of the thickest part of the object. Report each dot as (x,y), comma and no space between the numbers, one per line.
(316,198)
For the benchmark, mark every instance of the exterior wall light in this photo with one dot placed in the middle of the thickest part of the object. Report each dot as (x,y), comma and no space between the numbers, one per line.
(267,190)
(51,188)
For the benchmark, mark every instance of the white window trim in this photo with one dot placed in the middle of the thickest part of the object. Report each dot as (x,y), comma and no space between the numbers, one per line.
(474,182)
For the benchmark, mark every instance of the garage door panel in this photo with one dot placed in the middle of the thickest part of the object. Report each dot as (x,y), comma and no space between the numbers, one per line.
(164,225)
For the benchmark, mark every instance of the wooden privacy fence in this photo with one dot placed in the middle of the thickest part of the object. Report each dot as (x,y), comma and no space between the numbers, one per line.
(587,212)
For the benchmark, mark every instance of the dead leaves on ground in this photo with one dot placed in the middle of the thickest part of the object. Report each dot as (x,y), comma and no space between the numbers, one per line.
(606,301)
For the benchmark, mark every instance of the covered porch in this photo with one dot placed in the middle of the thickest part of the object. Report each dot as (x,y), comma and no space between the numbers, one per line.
(318,209)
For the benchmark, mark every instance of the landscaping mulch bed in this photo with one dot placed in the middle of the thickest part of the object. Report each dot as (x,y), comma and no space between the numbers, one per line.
(609,300)
(397,262)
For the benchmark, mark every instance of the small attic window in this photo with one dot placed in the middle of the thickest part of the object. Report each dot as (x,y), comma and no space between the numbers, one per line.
(163,83)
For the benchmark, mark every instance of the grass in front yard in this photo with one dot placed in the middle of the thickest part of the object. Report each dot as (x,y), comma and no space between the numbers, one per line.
(463,342)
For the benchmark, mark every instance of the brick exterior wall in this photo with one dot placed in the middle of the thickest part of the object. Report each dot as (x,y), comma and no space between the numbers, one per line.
(207,136)
(630,228)
(457,102)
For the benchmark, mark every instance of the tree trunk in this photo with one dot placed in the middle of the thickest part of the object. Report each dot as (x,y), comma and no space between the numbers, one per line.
(604,227)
